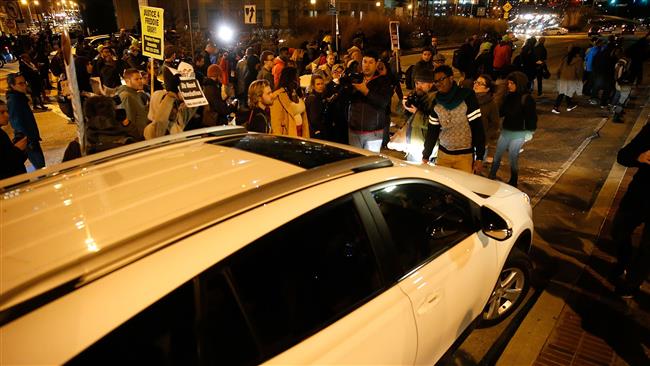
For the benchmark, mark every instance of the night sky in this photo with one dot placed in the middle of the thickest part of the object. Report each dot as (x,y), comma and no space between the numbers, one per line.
(98,15)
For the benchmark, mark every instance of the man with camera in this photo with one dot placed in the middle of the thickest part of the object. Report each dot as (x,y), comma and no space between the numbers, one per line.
(369,98)
(419,103)
(455,122)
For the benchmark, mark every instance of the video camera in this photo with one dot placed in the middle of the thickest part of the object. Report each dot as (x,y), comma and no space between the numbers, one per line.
(351,76)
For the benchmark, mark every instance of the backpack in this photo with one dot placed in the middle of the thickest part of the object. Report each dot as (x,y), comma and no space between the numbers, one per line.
(626,77)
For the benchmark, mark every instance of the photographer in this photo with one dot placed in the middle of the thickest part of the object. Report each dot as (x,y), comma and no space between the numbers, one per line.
(419,104)
(369,97)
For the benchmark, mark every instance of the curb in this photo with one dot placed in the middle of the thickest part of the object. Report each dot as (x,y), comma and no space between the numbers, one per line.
(537,327)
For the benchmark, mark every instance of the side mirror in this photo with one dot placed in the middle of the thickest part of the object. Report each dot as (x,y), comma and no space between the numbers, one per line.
(493,225)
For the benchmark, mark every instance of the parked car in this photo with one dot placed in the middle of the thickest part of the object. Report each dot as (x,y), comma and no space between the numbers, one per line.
(222,246)
(555,31)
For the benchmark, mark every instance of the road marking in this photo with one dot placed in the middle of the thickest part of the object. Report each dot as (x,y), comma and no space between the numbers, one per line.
(567,164)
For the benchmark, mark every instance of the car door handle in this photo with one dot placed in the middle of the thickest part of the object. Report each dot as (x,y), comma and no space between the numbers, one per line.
(429,303)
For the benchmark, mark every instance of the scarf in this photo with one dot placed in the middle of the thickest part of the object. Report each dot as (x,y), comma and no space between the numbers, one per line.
(453,98)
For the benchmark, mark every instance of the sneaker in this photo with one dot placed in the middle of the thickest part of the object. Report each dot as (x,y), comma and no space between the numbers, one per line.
(554,110)
(569,109)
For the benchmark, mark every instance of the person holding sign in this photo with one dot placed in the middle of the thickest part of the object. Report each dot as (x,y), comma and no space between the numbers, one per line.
(167,111)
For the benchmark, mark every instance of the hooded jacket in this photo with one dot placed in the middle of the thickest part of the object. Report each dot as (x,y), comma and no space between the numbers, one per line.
(136,111)
(519,108)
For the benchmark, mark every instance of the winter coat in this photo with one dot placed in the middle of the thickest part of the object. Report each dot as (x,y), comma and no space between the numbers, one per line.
(167,114)
(519,109)
(278,66)
(287,115)
(489,116)
(13,159)
(216,112)
(570,76)
(502,56)
(21,117)
(136,110)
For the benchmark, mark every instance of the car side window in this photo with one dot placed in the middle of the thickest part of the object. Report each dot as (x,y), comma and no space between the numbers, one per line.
(424,220)
(304,276)
(260,301)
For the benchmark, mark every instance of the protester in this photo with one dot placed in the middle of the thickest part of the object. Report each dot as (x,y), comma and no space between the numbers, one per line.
(624,79)
(455,122)
(12,153)
(167,111)
(367,106)
(484,89)
(132,103)
(569,80)
(103,129)
(315,104)
(541,54)
(217,111)
(32,76)
(633,211)
(502,56)
(519,124)
(260,99)
(288,112)
(267,67)
(22,119)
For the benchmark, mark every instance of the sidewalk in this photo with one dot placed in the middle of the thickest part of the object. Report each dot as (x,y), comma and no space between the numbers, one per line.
(577,319)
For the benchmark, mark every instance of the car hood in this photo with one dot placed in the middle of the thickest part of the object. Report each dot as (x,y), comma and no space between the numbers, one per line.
(480,185)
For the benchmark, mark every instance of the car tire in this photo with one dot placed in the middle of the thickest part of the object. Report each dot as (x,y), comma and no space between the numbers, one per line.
(510,290)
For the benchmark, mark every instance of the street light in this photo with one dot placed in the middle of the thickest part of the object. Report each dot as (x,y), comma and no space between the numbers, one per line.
(313,7)
(377,4)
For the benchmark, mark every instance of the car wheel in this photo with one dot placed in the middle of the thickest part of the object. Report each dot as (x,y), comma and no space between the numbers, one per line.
(510,290)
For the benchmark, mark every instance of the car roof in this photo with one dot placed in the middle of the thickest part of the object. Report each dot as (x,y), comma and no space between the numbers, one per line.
(91,214)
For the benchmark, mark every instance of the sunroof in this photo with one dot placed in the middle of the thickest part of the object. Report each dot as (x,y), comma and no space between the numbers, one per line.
(305,154)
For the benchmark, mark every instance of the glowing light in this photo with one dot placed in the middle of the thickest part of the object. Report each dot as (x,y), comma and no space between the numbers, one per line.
(91,245)
(225,33)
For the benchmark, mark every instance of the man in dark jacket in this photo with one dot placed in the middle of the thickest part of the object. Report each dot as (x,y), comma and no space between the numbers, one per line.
(455,122)
(22,119)
(132,103)
(13,154)
(367,108)
(634,211)
(216,112)
(425,62)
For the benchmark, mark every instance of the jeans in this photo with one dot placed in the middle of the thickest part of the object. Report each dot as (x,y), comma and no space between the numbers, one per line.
(513,143)
(35,154)
(367,140)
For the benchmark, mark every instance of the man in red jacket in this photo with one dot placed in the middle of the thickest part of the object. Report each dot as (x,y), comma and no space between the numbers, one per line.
(502,55)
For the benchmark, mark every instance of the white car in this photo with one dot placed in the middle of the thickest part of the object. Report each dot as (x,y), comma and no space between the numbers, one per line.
(222,246)
(551,31)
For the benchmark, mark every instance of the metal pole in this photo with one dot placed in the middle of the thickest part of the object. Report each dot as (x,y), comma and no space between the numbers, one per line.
(189,19)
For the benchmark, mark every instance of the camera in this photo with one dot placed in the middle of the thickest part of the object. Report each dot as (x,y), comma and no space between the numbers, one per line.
(411,100)
(351,76)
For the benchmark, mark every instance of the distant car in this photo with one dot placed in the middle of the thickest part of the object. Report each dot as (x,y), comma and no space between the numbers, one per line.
(551,31)
(95,41)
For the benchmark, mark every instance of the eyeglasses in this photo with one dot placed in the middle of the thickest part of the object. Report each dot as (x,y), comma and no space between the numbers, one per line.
(479,83)
(438,81)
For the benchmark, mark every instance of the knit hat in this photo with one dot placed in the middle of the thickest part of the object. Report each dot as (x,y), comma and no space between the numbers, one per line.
(423,74)
(214,71)
(439,57)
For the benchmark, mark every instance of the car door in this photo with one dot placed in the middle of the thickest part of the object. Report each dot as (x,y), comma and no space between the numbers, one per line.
(447,271)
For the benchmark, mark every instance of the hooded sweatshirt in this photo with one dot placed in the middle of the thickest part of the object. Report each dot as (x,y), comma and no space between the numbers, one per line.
(519,108)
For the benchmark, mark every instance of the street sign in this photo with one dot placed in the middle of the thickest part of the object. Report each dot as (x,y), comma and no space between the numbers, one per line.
(480,11)
(506,15)
(393,30)
(249,14)
(153,37)
(507,7)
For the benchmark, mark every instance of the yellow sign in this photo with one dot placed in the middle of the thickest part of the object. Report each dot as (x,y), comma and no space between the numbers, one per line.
(507,7)
(153,32)
(506,15)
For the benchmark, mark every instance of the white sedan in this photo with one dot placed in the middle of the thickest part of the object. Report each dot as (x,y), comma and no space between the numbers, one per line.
(555,31)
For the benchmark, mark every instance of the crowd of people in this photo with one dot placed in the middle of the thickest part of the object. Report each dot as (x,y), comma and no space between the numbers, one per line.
(316,91)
